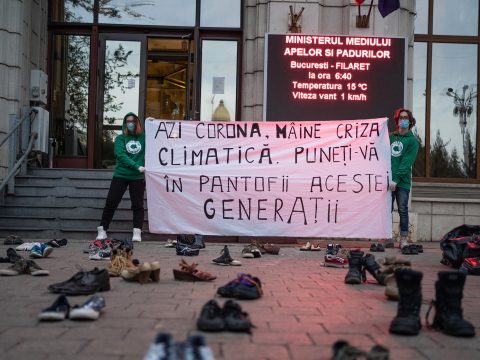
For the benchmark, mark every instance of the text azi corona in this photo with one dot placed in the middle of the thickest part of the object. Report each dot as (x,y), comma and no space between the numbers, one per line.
(211,155)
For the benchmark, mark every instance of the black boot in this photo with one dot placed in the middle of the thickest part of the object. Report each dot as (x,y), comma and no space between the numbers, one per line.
(355,261)
(407,321)
(448,305)
(372,267)
(198,242)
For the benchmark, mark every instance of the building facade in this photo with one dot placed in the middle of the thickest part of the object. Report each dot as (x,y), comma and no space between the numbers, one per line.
(196,59)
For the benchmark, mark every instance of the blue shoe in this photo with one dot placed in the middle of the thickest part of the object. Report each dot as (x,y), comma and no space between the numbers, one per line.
(46,250)
(90,310)
(163,348)
(36,252)
(57,311)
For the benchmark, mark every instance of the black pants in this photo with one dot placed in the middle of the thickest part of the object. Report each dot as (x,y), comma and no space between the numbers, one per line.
(118,187)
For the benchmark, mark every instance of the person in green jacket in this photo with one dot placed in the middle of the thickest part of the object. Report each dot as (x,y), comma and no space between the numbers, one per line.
(129,172)
(404,147)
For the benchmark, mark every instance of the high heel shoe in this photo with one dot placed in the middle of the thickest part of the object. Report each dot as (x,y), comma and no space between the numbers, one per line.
(144,275)
(155,271)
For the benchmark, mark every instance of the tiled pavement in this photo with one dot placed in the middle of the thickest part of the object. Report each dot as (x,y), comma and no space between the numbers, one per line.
(304,310)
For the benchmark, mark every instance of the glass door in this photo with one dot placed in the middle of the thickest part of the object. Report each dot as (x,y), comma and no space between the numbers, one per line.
(121,90)
(169,79)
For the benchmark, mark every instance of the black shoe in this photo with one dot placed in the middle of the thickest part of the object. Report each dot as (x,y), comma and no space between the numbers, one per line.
(13,240)
(342,350)
(407,321)
(369,264)
(448,305)
(196,349)
(57,311)
(235,318)
(248,288)
(355,263)
(185,250)
(13,256)
(211,317)
(83,283)
(225,258)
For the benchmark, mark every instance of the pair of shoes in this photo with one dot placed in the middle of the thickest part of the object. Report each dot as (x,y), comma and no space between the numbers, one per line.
(358,265)
(225,259)
(61,309)
(165,348)
(340,260)
(40,251)
(145,273)
(310,247)
(388,266)
(332,249)
(23,266)
(83,283)
(186,250)
(189,272)
(342,350)
(389,244)
(266,248)
(448,304)
(251,251)
(231,317)
(377,247)
(13,240)
(411,249)
(244,287)
(171,243)
(57,243)
(100,250)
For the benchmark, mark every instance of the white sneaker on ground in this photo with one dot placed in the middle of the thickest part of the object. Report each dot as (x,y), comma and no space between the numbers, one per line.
(403,242)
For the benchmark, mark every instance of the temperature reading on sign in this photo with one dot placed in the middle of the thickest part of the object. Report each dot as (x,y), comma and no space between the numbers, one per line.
(309,74)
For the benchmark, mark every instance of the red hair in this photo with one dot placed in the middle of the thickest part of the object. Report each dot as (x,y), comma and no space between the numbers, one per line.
(411,119)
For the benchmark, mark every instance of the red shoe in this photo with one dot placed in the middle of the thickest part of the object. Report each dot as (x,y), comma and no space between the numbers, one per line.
(335,261)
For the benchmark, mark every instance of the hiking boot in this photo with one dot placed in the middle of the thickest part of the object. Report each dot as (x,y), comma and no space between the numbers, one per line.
(198,243)
(211,318)
(101,233)
(83,283)
(90,310)
(225,258)
(370,265)
(391,289)
(355,262)
(59,310)
(163,348)
(448,305)
(137,235)
(235,318)
(407,321)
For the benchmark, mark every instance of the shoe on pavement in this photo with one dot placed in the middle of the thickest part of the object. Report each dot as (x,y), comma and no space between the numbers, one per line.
(211,317)
(83,283)
(137,235)
(19,267)
(225,258)
(163,348)
(35,270)
(389,244)
(245,287)
(13,240)
(197,349)
(12,255)
(57,311)
(235,318)
(186,250)
(99,254)
(247,252)
(90,310)
(101,233)
(335,261)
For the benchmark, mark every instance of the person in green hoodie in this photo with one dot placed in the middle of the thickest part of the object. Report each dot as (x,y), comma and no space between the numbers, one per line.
(129,172)
(404,147)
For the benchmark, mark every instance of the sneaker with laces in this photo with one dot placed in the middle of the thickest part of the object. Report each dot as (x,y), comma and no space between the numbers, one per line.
(36,252)
(163,348)
(245,287)
(59,310)
(19,267)
(330,250)
(335,261)
(101,233)
(225,258)
(235,318)
(196,349)
(90,310)
(211,317)
(35,270)
(99,254)
(186,250)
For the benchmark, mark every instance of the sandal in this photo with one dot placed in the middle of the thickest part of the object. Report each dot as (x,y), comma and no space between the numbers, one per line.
(189,272)
(306,247)
(316,247)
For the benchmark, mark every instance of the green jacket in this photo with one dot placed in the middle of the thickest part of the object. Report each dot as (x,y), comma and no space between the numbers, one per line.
(404,150)
(129,153)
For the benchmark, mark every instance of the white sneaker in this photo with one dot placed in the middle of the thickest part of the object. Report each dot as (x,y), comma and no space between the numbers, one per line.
(101,234)
(137,235)
(403,242)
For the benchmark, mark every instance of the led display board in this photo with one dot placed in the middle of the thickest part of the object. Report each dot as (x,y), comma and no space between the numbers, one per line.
(320,77)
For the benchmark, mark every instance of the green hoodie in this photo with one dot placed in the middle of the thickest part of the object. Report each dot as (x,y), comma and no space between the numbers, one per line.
(404,150)
(129,153)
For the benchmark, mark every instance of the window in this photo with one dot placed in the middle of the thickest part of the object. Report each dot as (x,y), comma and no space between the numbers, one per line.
(220,13)
(219,80)
(72,11)
(419,103)
(455,17)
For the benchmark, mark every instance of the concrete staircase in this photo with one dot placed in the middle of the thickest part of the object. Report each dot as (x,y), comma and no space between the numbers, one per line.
(64,203)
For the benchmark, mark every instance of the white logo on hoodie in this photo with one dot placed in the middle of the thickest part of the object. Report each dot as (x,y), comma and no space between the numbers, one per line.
(133,146)
(397,148)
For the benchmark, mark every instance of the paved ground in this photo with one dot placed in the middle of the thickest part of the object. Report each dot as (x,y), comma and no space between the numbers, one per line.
(305,309)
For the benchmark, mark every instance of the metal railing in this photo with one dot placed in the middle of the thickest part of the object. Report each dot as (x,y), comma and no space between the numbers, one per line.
(15,164)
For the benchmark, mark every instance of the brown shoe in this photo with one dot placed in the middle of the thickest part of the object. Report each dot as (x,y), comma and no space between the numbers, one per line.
(189,272)
(306,247)
(155,271)
(271,249)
